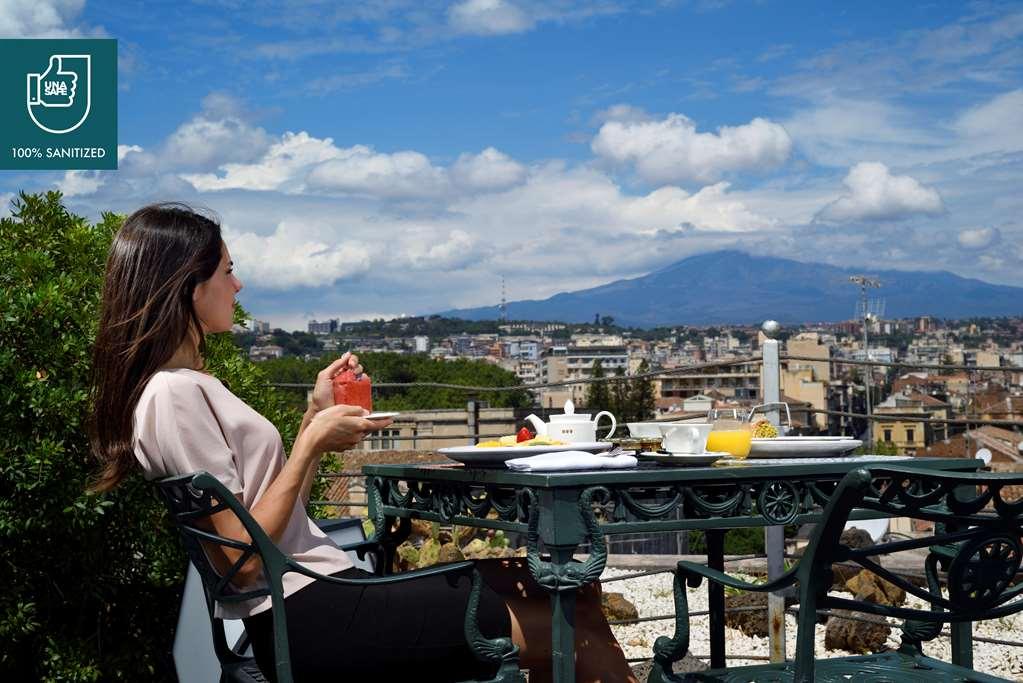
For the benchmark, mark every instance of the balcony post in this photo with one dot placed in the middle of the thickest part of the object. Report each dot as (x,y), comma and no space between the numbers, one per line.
(774,536)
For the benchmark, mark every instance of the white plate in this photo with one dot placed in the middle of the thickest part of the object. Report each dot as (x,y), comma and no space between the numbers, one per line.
(380,416)
(804,438)
(471,455)
(683,458)
(802,447)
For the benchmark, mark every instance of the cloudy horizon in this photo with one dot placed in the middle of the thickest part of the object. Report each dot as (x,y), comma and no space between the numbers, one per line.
(400,158)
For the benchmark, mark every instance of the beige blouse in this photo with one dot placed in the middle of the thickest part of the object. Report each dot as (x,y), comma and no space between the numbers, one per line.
(187,421)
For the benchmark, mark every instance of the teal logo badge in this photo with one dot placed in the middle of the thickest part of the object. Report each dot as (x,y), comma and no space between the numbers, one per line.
(67,116)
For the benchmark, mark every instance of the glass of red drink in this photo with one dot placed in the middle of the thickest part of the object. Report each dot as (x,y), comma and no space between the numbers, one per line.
(353,391)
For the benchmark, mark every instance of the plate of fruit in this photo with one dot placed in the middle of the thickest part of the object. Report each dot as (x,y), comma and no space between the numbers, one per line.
(492,452)
(770,441)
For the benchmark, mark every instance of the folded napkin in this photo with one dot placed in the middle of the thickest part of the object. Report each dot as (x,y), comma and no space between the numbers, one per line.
(570,460)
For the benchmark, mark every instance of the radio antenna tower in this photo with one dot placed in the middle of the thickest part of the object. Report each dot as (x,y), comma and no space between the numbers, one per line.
(504,303)
(865,310)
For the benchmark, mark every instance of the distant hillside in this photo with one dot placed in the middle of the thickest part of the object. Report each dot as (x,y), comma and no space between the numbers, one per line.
(735,287)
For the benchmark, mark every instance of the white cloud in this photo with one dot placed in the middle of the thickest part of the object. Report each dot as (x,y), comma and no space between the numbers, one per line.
(874,194)
(979,238)
(77,183)
(994,125)
(671,210)
(297,261)
(488,170)
(488,17)
(300,163)
(282,167)
(5,203)
(842,131)
(219,134)
(361,170)
(671,150)
(623,113)
(429,249)
(39,18)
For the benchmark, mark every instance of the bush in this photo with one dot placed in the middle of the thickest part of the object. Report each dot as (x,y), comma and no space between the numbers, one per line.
(91,583)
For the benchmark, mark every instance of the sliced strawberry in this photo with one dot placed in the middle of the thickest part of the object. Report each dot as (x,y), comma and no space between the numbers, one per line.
(523,435)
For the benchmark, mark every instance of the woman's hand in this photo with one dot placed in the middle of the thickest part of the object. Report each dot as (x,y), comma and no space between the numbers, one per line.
(341,427)
(323,391)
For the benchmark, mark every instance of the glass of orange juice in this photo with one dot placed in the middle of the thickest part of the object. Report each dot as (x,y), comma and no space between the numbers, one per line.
(730,433)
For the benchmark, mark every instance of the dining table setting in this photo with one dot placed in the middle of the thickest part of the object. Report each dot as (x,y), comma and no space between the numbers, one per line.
(568,483)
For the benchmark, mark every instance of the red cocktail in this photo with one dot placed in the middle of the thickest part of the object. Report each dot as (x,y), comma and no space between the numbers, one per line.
(353,391)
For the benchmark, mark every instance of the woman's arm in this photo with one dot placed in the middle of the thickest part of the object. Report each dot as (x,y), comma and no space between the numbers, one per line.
(335,429)
(310,477)
(321,398)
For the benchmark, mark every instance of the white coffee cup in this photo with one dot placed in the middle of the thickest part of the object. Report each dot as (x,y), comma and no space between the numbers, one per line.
(648,430)
(689,438)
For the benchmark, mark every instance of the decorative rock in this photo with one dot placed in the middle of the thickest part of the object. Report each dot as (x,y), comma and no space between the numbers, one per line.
(421,529)
(751,622)
(870,587)
(476,549)
(856,538)
(406,557)
(428,553)
(464,534)
(856,636)
(617,608)
(449,552)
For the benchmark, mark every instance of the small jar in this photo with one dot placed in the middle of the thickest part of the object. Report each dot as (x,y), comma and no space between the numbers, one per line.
(353,391)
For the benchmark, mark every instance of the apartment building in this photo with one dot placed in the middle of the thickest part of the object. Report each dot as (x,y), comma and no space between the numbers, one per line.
(909,435)
(566,363)
(737,382)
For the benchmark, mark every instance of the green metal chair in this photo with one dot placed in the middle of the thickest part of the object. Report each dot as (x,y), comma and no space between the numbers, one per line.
(977,542)
(192,498)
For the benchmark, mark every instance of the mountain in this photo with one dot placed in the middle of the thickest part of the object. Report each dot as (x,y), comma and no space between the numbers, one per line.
(735,287)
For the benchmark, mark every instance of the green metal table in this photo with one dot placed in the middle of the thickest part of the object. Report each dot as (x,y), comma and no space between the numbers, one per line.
(563,510)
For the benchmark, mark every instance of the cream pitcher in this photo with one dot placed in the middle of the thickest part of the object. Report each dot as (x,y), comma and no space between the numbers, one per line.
(571,427)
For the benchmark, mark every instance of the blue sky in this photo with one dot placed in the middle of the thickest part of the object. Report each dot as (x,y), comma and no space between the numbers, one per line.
(380,159)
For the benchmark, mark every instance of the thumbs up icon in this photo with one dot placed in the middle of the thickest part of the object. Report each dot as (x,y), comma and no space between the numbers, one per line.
(53,88)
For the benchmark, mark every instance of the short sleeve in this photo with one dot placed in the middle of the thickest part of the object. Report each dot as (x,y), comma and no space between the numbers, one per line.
(178,433)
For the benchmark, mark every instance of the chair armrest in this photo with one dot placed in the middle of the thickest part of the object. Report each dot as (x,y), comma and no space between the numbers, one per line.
(694,573)
(358,546)
(460,568)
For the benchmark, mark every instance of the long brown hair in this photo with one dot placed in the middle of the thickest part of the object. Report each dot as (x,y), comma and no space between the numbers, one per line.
(156,260)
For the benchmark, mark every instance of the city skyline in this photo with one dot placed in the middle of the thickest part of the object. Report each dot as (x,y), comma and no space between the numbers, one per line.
(397,158)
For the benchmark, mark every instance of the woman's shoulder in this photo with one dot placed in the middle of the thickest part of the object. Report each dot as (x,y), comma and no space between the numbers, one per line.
(180,382)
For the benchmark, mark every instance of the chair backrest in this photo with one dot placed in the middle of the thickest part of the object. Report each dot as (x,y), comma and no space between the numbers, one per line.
(977,529)
(191,500)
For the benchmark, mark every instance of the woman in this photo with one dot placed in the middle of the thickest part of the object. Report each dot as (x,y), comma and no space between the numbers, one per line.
(170,281)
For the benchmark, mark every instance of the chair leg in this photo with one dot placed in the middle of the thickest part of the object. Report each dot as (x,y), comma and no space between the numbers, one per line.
(667,651)
(805,633)
(962,644)
(493,650)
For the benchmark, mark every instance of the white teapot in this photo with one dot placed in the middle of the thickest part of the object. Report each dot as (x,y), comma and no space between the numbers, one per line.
(571,427)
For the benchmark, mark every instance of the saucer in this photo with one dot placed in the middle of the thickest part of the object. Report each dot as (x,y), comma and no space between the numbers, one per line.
(690,459)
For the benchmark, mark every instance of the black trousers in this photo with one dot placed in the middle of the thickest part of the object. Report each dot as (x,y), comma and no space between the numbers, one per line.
(411,630)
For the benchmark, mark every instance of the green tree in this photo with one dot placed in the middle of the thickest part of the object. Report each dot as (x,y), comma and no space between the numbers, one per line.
(410,368)
(91,582)
(621,406)
(597,395)
(642,400)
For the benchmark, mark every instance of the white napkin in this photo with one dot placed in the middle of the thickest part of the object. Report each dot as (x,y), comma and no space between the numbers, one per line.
(570,460)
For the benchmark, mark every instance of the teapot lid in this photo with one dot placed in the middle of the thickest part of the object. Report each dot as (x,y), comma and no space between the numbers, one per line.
(570,414)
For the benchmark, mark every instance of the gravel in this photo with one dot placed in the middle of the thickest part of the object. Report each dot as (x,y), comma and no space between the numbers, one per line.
(652,596)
